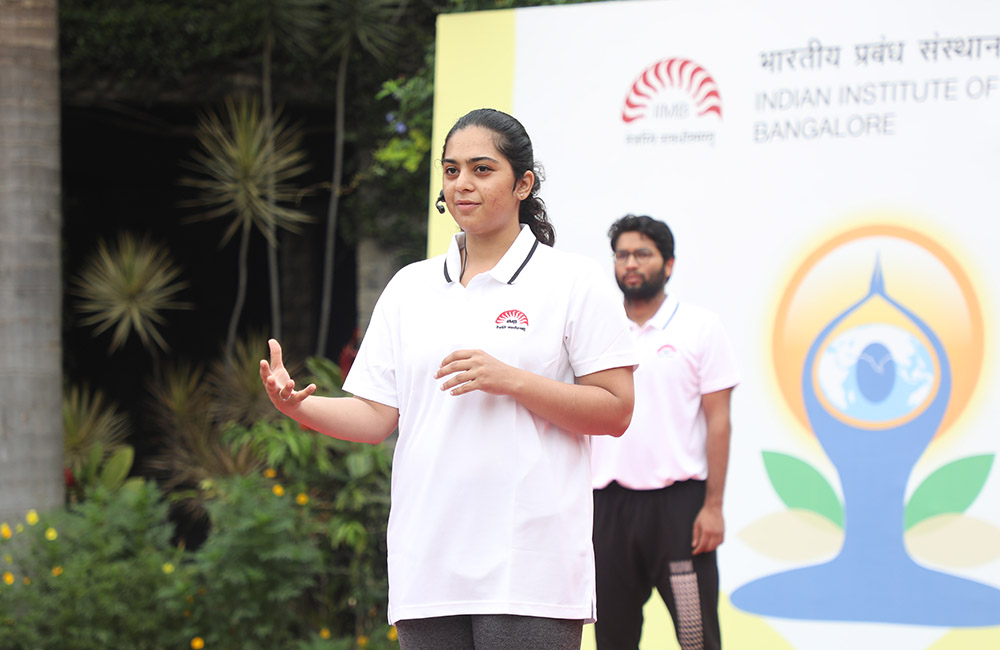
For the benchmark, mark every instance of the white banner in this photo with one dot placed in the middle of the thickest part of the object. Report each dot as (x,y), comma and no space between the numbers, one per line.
(829,172)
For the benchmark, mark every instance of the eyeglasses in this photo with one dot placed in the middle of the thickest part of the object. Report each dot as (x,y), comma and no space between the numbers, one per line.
(641,255)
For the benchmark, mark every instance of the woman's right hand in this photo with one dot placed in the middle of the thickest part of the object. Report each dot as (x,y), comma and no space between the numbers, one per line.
(279,385)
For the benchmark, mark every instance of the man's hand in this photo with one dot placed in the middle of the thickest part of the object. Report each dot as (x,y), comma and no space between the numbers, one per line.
(709,530)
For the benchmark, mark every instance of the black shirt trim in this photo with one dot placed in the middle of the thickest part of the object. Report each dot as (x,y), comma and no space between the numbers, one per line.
(524,263)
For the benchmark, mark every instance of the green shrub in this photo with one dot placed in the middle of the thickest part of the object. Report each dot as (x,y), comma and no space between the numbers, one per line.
(346,487)
(94,576)
(247,585)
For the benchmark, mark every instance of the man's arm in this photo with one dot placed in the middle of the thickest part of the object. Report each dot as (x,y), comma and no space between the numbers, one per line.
(709,527)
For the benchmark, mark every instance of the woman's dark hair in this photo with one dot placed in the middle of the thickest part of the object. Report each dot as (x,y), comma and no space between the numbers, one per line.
(513,143)
(658,231)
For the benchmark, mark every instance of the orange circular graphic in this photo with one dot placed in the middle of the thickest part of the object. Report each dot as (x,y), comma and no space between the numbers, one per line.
(918,273)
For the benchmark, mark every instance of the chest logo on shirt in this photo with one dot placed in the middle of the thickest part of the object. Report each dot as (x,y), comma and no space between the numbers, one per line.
(512,319)
(666,351)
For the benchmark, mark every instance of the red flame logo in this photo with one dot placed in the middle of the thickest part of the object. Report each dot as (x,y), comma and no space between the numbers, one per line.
(682,74)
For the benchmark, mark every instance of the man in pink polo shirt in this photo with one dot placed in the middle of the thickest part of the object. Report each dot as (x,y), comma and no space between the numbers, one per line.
(658,489)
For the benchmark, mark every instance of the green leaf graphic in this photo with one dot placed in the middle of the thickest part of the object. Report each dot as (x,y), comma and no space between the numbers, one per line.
(950,489)
(799,485)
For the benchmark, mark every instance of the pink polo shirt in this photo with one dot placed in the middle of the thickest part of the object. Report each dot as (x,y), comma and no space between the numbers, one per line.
(684,353)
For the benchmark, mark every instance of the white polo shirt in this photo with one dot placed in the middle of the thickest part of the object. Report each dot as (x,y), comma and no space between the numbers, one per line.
(491,506)
(684,354)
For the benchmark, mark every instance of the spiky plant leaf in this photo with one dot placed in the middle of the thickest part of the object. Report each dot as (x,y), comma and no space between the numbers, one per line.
(293,24)
(192,450)
(235,164)
(127,286)
(92,426)
(373,24)
(117,467)
(234,383)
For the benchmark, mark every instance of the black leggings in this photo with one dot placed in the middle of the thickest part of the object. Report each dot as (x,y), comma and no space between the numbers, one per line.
(489,632)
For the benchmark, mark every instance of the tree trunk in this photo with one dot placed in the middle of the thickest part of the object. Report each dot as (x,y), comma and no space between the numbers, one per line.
(241,290)
(326,298)
(272,240)
(31,435)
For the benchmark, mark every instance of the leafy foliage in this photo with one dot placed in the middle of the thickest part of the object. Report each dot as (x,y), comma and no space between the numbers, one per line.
(373,24)
(346,486)
(295,24)
(92,577)
(154,43)
(127,287)
(89,422)
(239,154)
(193,451)
(104,573)
(234,386)
(246,582)
(244,170)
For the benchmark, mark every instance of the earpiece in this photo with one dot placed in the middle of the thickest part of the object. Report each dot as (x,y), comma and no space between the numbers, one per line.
(439,204)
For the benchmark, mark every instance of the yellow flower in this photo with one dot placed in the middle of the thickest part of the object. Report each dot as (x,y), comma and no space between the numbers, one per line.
(51,534)
(197,643)
(27,580)
(8,577)
(325,633)
(302,498)
(57,571)
(168,568)
(5,531)
(278,490)
(362,641)
(391,634)
(19,528)
(31,517)
(270,473)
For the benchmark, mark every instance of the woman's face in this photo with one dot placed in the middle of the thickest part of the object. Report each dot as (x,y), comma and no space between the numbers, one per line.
(479,186)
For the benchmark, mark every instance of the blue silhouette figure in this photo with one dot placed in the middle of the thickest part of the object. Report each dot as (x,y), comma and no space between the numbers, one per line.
(874,443)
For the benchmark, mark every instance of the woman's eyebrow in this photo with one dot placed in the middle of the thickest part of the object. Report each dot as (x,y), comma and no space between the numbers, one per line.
(471,160)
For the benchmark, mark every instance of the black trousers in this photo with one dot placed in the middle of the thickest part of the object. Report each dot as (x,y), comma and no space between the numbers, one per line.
(642,539)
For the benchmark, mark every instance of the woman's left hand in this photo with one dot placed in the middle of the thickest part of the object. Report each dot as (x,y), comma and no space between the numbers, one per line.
(475,370)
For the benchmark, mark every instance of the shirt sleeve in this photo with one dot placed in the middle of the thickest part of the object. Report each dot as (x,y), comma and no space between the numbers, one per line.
(373,373)
(717,368)
(597,334)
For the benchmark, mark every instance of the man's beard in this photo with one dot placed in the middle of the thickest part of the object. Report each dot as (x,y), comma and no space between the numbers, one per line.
(649,289)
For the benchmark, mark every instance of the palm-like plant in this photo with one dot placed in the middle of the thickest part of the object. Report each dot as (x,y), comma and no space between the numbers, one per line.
(294,25)
(372,24)
(193,451)
(128,286)
(93,430)
(234,384)
(244,169)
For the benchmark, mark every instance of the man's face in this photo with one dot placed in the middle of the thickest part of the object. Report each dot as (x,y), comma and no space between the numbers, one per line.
(640,269)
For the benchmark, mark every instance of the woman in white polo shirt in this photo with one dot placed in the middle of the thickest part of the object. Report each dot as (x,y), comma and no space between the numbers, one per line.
(496,361)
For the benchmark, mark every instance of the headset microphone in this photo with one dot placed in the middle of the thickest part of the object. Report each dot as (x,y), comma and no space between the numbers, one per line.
(439,204)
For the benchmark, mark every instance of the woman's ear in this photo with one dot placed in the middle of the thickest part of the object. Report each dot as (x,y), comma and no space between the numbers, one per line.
(522,189)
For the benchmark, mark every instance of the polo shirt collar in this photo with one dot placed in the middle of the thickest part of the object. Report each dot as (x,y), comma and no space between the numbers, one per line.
(663,315)
(506,270)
